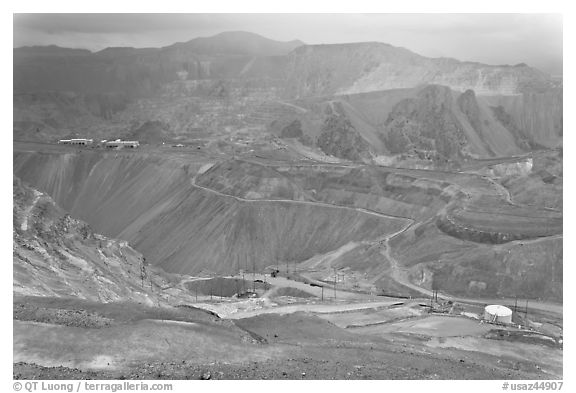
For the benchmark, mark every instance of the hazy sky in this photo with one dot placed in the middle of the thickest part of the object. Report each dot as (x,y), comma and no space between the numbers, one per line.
(535,39)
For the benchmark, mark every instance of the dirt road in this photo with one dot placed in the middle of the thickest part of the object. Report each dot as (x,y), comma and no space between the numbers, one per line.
(313,308)
(319,204)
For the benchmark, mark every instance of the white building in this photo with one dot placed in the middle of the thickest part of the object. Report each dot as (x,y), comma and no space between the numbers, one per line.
(498,313)
(77,141)
(118,143)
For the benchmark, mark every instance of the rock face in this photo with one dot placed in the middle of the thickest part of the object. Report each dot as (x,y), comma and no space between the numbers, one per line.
(57,255)
(432,124)
(339,138)
(427,125)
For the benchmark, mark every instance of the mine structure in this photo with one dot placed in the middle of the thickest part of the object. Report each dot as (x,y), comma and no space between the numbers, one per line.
(118,143)
(76,141)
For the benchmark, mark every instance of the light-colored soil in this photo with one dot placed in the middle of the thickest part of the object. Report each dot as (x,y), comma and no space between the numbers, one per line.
(434,326)
(360,318)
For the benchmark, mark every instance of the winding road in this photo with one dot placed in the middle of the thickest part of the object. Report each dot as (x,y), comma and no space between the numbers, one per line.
(397,273)
(292,201)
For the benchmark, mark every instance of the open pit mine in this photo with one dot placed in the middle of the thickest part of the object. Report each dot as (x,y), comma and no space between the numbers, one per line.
(234,207)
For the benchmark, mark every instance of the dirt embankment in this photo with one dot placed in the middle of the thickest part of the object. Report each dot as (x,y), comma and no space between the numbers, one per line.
(186,343)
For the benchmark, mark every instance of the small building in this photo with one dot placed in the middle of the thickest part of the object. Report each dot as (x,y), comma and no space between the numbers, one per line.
(76,141)
(118,143)
(497,313)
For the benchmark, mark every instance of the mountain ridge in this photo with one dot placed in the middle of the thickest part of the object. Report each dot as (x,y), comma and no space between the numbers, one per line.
(367,66)
(296,42)
(239,80)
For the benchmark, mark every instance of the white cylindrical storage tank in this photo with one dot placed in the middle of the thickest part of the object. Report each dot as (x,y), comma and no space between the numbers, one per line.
(497,313)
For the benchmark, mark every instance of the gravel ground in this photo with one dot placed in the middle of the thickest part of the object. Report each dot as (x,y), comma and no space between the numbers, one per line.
(292,346)
(76,318)
(319,363)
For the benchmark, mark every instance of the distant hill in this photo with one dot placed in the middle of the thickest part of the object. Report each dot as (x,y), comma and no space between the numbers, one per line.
(237,43)
(315,70)
(50,50)
(304,71)
(356,100)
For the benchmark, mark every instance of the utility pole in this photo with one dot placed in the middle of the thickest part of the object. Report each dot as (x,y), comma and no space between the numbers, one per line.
(515,303)
(245,263)
(253,276)
(526,313)
(235,279)
(322,292)
(335,278)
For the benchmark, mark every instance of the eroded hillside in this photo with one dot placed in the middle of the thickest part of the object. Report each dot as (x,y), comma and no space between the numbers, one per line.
(154,204)
(55,255)
(383,226)
(433,126)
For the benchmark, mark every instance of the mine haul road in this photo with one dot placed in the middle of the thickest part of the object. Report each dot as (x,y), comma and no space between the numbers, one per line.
(398,274)
(319,204)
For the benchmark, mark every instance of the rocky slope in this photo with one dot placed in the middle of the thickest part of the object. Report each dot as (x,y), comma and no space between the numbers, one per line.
(537,117)
(56,255)
(433,124)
